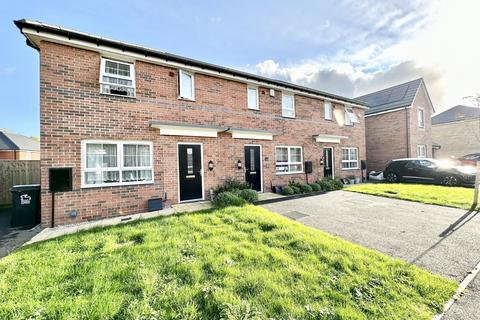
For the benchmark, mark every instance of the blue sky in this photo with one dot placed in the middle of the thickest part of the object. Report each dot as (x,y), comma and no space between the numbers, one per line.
(345,47)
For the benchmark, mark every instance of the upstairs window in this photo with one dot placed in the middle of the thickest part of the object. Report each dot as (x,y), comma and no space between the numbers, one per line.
(117,78)
(186,84)
(421,118)
(252,95)
(288,105)
(350,117)
(328,110)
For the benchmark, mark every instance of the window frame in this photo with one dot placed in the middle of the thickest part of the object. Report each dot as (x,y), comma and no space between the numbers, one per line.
(419,146)
(288,163)
(120,163)
(284,94)
(325,104)
(349,158)
(351,122)
(422,118)
(103,61)
(257,107)
(191,74)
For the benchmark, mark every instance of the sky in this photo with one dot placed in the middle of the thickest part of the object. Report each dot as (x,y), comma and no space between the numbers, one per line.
(345,47)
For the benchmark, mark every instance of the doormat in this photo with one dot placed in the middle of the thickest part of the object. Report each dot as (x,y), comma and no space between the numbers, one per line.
(295,215)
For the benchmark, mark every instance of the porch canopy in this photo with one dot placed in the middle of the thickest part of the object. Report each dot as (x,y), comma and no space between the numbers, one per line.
(328,138)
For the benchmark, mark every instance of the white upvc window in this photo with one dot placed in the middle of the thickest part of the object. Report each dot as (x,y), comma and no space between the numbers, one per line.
(112,163)
(186,84)
(350,117)
(421,118)
(349,158)
(328,110)
(252,97)
(288,159)
(117,78)
(421,151)
(288,105)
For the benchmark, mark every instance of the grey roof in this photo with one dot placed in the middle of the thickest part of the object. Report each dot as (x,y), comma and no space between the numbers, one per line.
(457,113)
(148,52)
(13,141)
(395,97)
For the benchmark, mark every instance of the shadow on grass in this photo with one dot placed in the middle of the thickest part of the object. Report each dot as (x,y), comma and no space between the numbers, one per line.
(469,215)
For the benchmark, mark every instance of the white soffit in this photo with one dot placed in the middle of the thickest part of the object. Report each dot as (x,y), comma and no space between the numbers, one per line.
(329,138)
(185,130)
(247,134)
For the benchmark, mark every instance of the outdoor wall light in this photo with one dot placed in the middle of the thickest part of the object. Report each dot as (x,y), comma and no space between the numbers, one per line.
(210,165)
(239,164)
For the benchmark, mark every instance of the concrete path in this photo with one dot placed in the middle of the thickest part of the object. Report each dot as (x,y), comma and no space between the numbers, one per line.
(443,240)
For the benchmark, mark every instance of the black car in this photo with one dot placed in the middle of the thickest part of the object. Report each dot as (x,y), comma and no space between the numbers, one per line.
(429,171)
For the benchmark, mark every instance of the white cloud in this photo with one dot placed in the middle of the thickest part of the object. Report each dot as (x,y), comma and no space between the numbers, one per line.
(441,47)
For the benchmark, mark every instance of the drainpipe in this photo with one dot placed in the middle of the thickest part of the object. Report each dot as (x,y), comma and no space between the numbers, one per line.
(407,125)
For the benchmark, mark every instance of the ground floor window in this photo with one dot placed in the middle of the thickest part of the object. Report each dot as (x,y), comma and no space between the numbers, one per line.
(349,158)
(107,163)
(421,151)
(288,160)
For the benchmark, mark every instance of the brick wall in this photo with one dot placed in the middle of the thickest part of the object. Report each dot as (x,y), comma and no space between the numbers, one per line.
(457,138)
(420,136)
(72,110)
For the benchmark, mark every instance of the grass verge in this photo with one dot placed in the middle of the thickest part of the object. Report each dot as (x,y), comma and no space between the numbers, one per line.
(232,263)
(457,197)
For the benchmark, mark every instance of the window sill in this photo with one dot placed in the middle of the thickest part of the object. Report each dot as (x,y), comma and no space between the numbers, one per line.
(116,184)
(346,169)
(287,173)
(117,95)
(288,117)
(186,99)
(253,109)
(328,119)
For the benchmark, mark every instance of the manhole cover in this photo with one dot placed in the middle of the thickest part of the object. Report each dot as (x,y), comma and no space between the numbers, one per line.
(295,215)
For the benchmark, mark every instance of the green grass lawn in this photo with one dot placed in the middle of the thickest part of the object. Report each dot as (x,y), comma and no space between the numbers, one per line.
(234,263)
(457,197)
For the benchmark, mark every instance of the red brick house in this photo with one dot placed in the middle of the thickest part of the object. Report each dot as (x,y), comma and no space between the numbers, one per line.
(15,146)
(398,125)
(135,123)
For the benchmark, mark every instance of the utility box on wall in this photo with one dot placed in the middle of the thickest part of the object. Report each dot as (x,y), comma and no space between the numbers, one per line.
(308,167)
(60,179)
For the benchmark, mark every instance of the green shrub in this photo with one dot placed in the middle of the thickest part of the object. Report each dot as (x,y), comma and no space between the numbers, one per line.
(226,199)
(231,185)
(296,190)
(315,186)
(293,183)
(248,195)
(306,188)
(326,184)
(337,184)
(288,191)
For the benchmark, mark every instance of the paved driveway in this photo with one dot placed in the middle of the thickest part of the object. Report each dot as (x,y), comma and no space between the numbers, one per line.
(442,240)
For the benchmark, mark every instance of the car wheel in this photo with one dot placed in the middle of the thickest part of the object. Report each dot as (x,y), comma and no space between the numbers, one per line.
(392,177)
(450,181)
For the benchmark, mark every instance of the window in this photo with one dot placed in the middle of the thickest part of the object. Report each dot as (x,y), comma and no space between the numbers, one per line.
(252,95)
(108,163)
(350,117)
(288,160)
(421,151)
(328,110)
(117,78)
(186,85)
(288,105)
(421,118)
(349,158)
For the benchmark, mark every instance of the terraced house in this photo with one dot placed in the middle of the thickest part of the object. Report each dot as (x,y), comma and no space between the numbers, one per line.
(135,124)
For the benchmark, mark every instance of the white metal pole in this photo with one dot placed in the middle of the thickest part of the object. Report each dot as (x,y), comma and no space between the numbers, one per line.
(477,182)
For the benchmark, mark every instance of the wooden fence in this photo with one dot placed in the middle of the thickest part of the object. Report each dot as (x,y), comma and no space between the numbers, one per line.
(14,172)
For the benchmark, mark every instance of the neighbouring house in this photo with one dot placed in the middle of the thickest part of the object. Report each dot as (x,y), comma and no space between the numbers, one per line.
(457,132)
(135,124)
(397,125)
(15,146)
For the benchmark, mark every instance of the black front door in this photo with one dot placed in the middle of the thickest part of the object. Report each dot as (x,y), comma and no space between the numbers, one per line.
(190,171)
(328,162)
(253,170)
